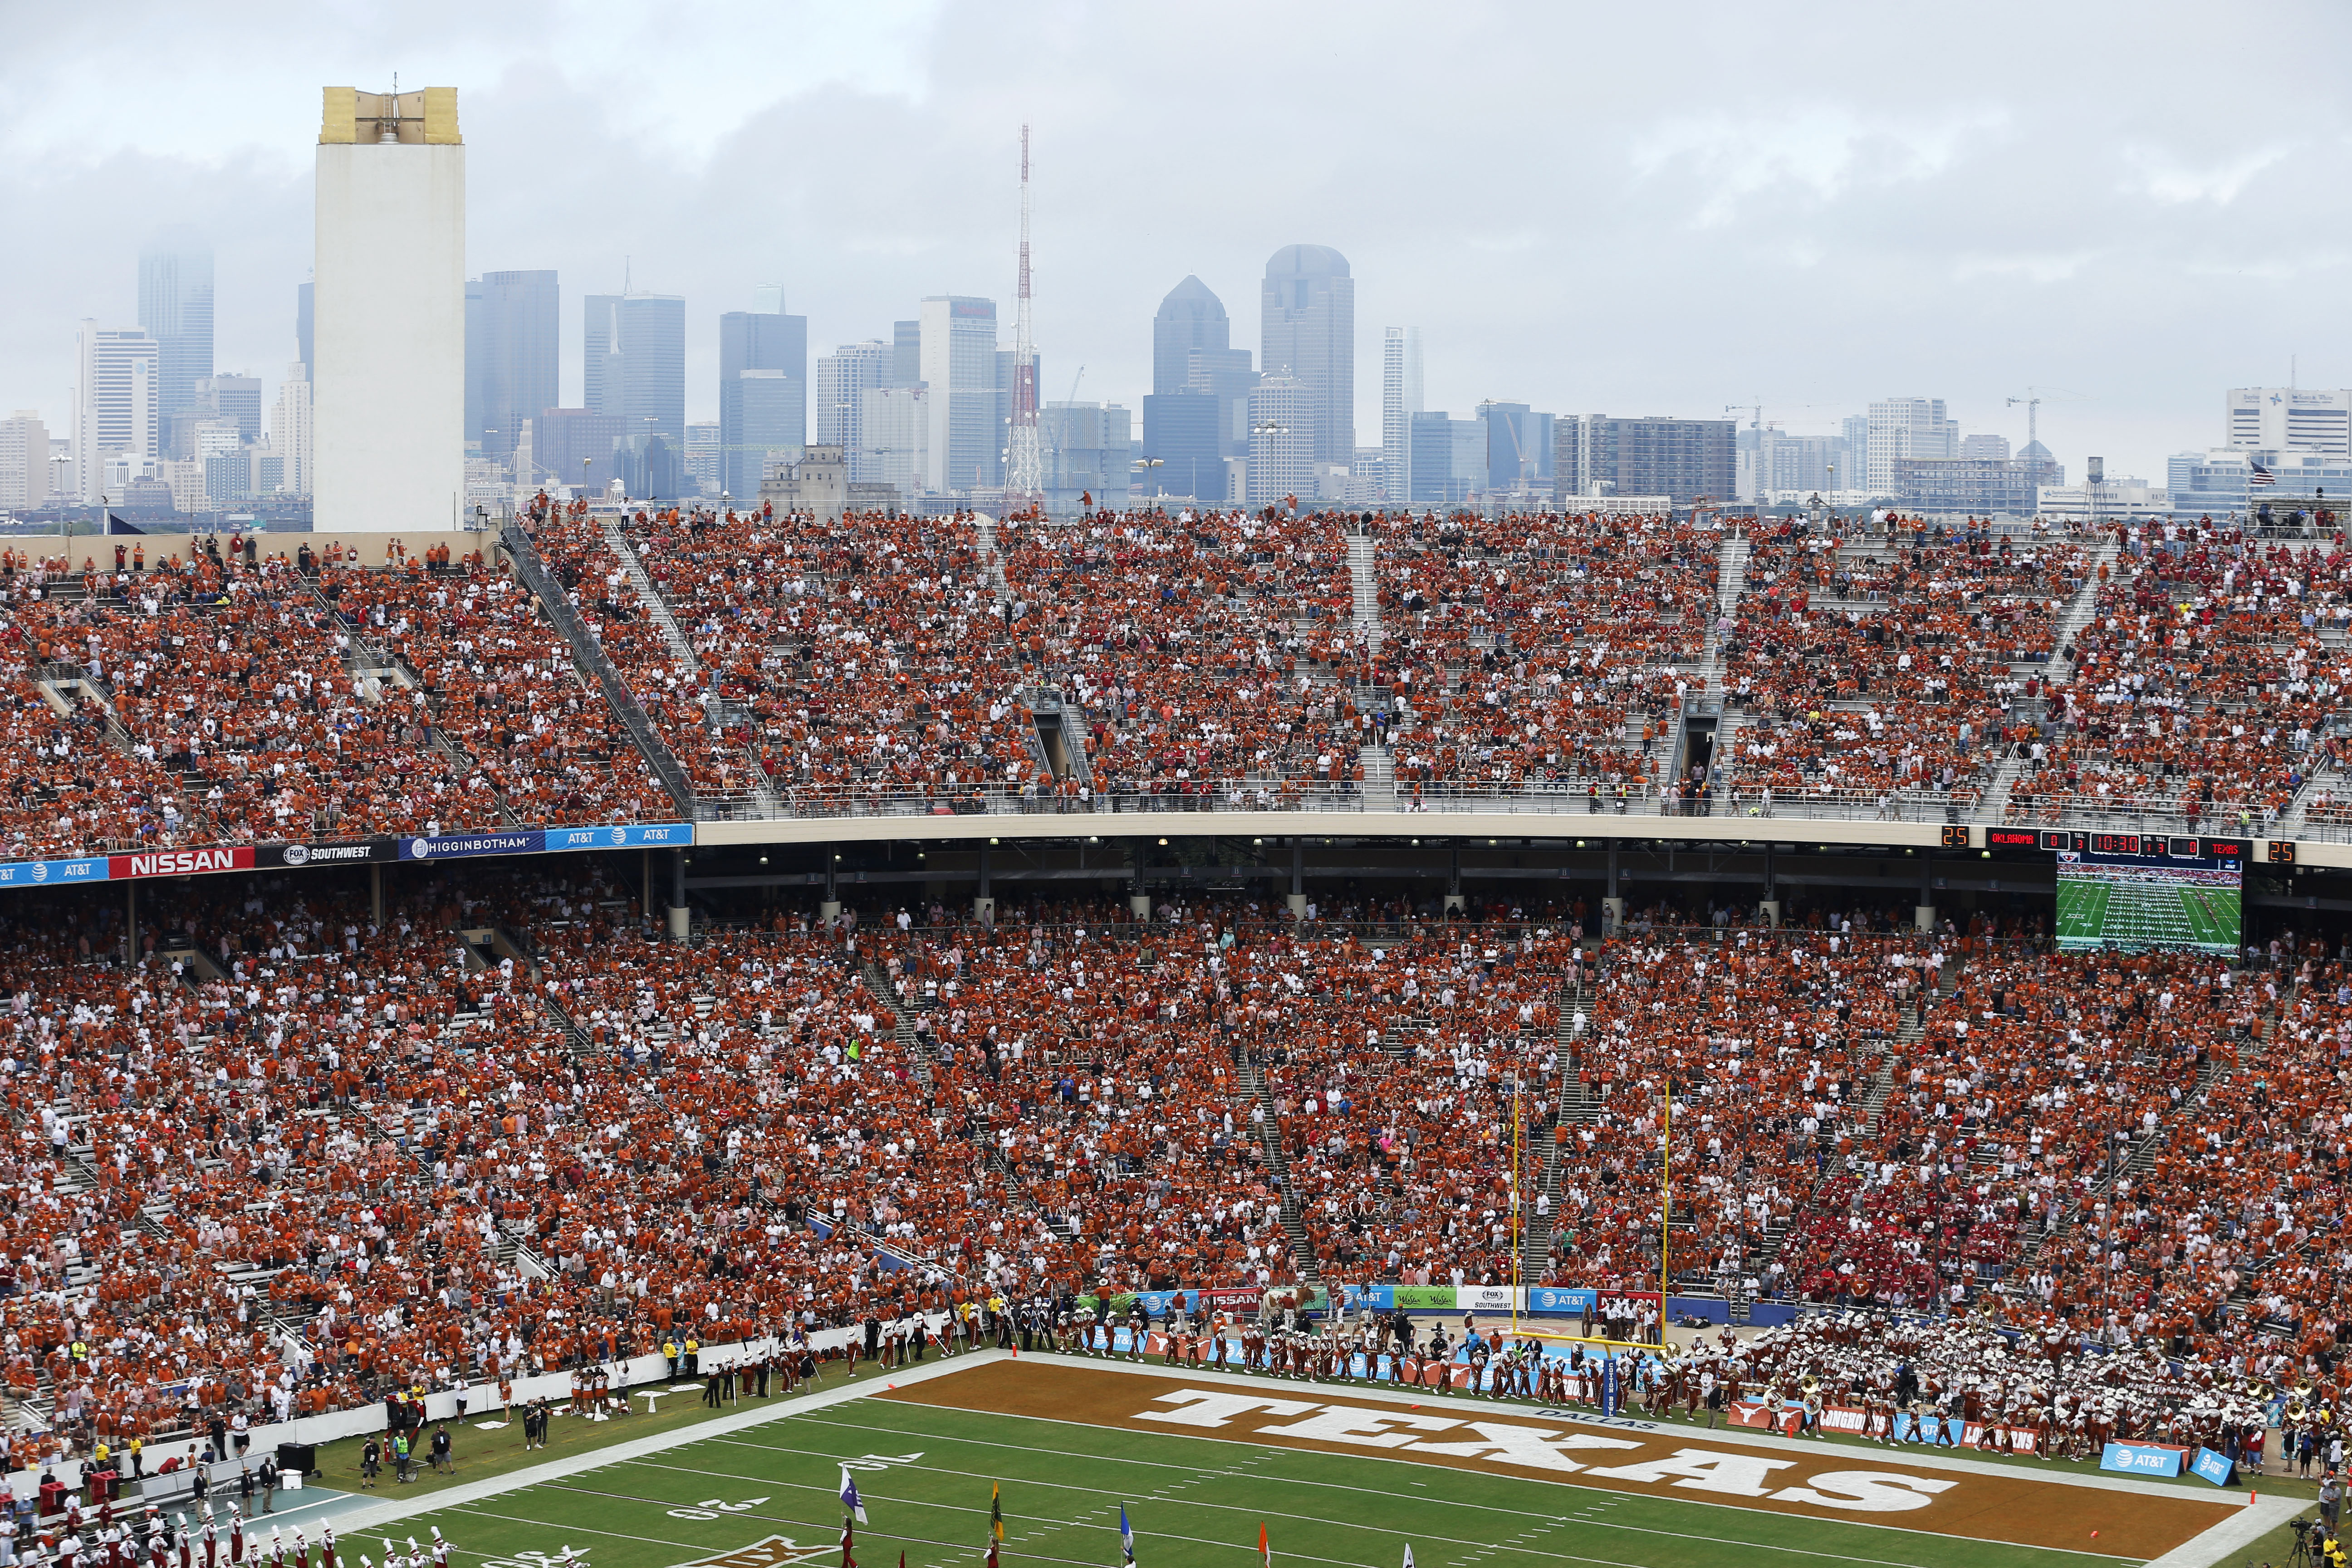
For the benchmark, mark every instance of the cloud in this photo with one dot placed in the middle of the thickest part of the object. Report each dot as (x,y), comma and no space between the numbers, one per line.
(2167,179)
(1648,211)
(1729,162)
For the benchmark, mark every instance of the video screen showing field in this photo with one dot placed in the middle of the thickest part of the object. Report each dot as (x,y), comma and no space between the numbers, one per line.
(2132,904)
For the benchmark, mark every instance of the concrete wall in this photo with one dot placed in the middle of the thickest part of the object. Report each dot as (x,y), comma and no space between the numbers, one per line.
(389,390)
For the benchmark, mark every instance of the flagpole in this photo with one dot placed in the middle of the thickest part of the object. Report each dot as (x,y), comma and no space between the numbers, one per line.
(1518,1176)
(1665,1209)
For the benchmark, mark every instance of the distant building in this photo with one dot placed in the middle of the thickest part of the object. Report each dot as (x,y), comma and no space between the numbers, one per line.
(1903,427)
(388,383)
(1085,448)
(895,424)
(1519,455)
(1182,430)
(633,360)
(289,431)
(1976,487)
(304,338)
(233,397)
(574,446)
(2219,480)
(1192,319)
(816,486)
(24,459)
(842,380)
(1985,448)
(959,366)
(176,308)
(1192,357)
(1282,413)
(1680,459)
(762,393)
(906,353)
(2118,495)
(1804,463)
(769,427)
(2288,420)
(1400,401)
(1446,458)
(1308,330)
(513,359)
(702,465)
(115,412)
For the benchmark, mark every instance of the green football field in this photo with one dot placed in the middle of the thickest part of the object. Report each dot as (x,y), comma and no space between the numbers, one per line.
(767,1494)
(2094,913)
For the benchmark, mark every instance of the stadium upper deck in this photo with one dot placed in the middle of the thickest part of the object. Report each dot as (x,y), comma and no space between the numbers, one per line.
(673,678)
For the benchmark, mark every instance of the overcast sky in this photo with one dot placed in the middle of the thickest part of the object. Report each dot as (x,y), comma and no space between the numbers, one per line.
(1623,209)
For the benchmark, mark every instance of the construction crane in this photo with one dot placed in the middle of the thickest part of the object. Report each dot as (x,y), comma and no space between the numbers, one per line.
(2033,401)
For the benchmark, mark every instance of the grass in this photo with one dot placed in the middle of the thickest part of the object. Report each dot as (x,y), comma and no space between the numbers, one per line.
(480,1455)
(2091,914)
(926,1472)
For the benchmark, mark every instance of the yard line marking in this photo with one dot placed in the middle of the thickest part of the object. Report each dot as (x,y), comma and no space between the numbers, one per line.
(1605,1497)
(576,1529)
(1300,1518)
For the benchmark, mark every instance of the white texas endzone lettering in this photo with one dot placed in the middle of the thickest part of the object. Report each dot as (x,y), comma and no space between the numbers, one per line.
(1727,1474)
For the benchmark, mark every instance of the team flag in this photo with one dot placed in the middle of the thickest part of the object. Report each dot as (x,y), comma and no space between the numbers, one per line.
(995,1512)
(1126,1536)
(1265,1553)
(849,1503)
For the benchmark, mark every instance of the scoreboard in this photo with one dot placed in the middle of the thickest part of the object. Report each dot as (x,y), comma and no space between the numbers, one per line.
(2163,846)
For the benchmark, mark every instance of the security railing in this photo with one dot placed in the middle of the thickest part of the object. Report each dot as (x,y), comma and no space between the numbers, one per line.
(590,653)
(1574,798)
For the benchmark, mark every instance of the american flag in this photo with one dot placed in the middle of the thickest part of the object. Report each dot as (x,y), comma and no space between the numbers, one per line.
(2260,476)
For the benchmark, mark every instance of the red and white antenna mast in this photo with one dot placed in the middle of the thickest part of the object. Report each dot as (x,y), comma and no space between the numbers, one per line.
(1025,475)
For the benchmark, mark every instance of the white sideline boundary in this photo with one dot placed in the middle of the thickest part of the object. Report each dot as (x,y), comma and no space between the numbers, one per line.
(381,1514)
(2257,1516)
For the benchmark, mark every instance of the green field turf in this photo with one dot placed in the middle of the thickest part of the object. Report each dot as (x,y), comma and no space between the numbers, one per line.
(2094,913)
(1192,1501)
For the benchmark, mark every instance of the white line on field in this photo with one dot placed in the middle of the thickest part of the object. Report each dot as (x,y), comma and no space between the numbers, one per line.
(1613,1498)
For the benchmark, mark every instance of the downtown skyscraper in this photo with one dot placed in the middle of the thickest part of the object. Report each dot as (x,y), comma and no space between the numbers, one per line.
(513,361)
(176,308)
(1308,333)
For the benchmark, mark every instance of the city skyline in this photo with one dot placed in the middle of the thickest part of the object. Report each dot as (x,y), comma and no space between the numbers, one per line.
(1682,260)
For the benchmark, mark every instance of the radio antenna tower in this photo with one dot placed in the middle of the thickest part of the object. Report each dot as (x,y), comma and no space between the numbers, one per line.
(1024,478)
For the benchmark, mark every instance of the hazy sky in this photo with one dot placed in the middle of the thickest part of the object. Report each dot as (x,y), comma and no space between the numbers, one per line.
(1629,210)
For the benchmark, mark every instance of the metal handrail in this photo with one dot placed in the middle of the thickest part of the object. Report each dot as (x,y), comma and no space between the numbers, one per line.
(590,653)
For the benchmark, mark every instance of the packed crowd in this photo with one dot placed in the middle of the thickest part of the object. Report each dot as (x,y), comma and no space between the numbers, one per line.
(1223,657)
(2202,684)
(1880,666)
(294,1156)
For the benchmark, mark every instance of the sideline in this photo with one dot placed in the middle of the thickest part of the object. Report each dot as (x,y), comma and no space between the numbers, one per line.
(385,1512)
(2257,1516)
(1740,1436)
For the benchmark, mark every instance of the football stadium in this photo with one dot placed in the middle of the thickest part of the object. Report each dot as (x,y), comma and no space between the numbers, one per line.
(1189,1033)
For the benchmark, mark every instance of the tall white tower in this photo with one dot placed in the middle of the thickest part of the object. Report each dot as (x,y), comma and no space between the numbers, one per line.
(1025,468)
(388,329)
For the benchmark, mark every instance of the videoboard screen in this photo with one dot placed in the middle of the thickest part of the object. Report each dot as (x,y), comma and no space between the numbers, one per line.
(2134,891)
